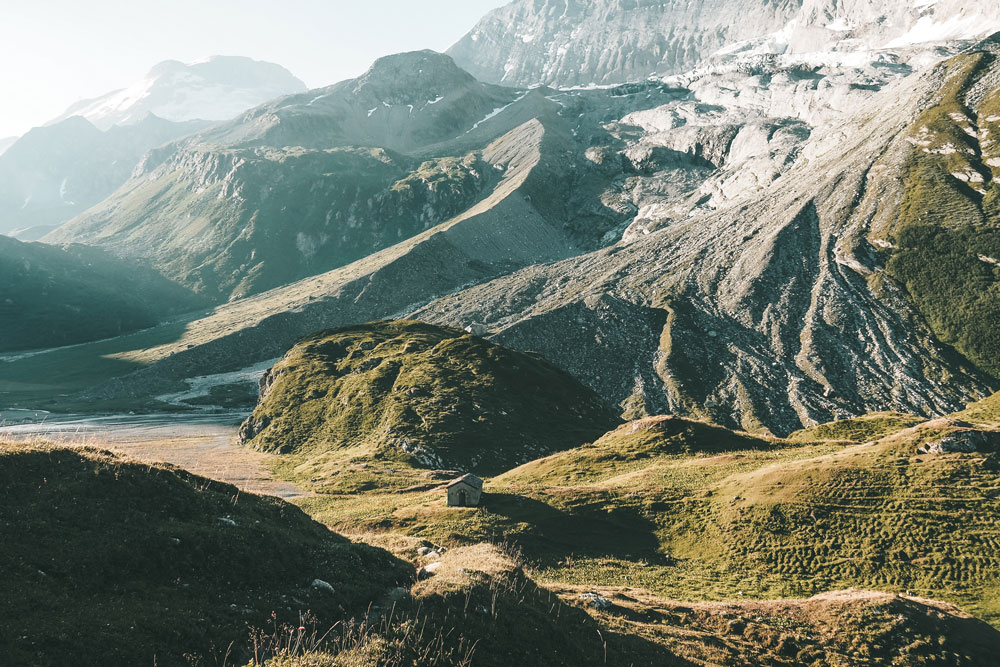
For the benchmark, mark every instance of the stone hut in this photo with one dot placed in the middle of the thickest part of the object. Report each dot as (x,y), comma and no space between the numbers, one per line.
(465,491)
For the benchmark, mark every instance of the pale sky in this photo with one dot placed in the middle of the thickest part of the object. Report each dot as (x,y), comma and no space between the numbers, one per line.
(55,52)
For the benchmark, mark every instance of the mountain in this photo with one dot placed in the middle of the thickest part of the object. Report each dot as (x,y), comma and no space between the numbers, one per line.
(218,88)
(421,395)
(52,296)
(53,173)
(313,182)
(57,171)
(6,143)
(859,280)
(581,42)
(745,220)
(770,242)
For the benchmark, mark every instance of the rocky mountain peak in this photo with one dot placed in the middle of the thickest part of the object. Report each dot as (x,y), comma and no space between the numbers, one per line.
(415,75)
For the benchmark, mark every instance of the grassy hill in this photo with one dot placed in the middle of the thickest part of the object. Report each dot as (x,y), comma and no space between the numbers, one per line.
(482,608)
(419,395)
(109,562)
(59,295)
(114,561)
(697,512)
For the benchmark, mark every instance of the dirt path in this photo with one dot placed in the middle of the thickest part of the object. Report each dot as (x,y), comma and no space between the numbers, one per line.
(201,444)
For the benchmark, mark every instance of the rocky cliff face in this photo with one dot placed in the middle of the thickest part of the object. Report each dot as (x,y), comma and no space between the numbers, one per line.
(576,42)
(776,310)
(579,42)
(254,219)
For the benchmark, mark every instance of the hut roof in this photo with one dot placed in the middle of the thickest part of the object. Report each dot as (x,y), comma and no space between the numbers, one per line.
(469,479)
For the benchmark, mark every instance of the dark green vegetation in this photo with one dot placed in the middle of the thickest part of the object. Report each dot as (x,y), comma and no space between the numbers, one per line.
(417,395)
(52,296)
(947,236)
(46,380)
(110,562)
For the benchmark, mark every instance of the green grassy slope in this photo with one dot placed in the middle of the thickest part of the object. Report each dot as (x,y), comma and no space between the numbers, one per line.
(481,608)
(985,412)
(420,395)
(108,562)
(52,295)
(811,518)
(696,512)
(947,235)
(860,429)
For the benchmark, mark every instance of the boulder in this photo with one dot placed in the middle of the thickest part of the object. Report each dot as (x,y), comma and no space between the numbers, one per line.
(321,585)
(964,441)
(428,570)
(477,329)
(595,601)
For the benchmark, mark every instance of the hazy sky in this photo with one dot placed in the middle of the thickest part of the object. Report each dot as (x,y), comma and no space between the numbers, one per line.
(55,52)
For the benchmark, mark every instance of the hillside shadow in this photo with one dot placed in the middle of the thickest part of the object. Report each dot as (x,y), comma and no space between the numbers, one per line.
(552,533)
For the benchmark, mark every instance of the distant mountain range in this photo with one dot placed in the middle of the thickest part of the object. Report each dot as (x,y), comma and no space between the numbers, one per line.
(57,171)
(218,88)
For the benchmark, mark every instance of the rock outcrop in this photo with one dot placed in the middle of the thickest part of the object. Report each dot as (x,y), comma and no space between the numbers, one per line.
(964,441)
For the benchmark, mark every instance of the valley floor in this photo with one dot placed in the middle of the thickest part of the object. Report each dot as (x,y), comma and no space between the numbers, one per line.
(202,444)
(665,538)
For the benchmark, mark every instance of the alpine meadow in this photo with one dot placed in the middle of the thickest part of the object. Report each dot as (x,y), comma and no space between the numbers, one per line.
(592,332)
